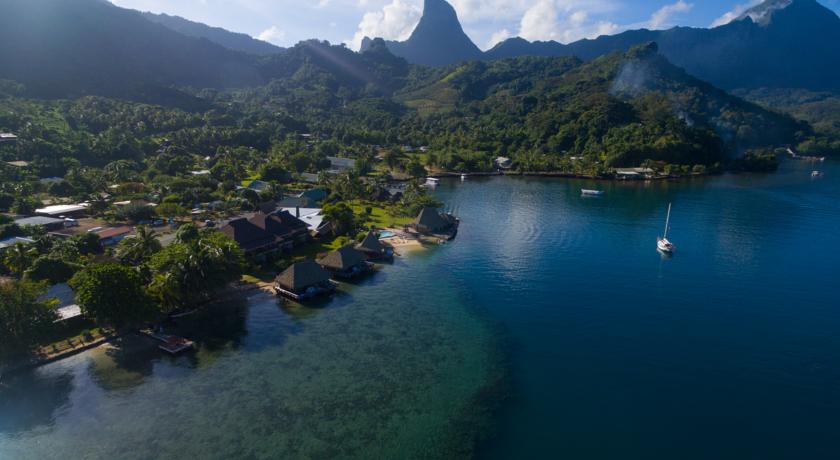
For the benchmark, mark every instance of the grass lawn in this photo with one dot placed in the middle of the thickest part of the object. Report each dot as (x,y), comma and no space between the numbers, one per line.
(69,338)
(380,217)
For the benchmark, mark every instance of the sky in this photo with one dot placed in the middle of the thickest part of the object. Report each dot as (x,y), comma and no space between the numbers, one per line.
(286,22)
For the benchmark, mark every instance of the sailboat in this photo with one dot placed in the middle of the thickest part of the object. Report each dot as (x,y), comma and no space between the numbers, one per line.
(662,242)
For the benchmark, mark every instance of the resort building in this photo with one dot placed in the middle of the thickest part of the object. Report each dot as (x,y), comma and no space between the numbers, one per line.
(263,233)
(249,237)
(303,280)
(345,263)
(373,249)
(431,222)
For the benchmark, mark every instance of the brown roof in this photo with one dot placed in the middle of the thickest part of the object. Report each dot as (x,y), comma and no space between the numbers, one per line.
(113,231)
(302,275)
(343,259)
(247,235)
(371,244)
(280,224)
(431,219)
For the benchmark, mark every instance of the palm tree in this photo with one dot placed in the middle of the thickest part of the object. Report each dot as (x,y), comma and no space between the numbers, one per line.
(138,247)
(19,258)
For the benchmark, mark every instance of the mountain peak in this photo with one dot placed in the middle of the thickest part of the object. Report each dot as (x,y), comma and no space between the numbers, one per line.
(438,38)
(765,13)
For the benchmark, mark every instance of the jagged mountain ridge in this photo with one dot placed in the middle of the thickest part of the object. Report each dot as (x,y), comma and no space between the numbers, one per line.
(779,44)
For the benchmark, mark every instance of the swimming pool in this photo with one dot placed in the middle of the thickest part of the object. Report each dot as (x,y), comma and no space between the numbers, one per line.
(386,234)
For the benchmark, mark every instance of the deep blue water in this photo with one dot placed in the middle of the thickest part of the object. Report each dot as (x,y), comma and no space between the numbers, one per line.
(550,327)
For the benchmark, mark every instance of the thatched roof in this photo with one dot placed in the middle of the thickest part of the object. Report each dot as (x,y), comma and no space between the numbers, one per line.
(343,259)
(371,244)
(431,219)
(302,275)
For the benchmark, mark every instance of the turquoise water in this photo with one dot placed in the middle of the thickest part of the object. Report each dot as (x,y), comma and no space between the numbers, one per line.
(550,327)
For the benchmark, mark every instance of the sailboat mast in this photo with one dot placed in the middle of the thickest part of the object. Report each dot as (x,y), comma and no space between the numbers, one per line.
(667,221)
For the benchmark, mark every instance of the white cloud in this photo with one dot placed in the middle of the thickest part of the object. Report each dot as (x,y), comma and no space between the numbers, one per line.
(395,21)
(734,13)
(663,17)
(498,37)
(273,35)
(564,21)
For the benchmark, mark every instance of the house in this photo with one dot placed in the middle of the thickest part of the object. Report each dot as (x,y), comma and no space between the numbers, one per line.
(49,224)
(373,249)
(64,210)
(309,178)
(338,164)
(312,216)
(65,302)
(113,235)
(315,194)
(258,185)
(8,137)
(249,237)
(10,242)
(346,262)
(263,233)
(296,202)
(286,229)
(634,173)
(303,280)
(431,222)
(502,162)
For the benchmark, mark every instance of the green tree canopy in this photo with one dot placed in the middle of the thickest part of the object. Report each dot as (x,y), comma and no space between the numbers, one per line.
(23,318)
(112,294)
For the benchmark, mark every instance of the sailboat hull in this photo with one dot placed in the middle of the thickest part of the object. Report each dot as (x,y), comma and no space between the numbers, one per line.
(665,246)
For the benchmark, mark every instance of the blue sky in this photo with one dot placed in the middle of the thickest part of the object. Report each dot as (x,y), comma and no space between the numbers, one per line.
(285,22)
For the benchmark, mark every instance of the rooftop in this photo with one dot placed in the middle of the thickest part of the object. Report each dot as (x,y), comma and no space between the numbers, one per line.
(9,242)
(302,275)
(62,209)
(343,259)
(38,220)
(112,232)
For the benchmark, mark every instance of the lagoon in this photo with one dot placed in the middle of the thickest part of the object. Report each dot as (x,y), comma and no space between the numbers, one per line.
(550,327)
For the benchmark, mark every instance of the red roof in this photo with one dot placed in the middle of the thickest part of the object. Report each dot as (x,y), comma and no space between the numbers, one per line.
(113,231)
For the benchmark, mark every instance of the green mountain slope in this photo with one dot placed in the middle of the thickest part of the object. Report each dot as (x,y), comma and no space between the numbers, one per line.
(59,48)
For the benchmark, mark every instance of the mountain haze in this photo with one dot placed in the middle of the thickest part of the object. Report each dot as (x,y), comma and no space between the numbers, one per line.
(231,40)
(59,48)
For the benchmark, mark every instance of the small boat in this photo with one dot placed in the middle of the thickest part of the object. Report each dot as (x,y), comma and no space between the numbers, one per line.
(432,182)
(662,242)
(586,192)
(463,177)
(816,173)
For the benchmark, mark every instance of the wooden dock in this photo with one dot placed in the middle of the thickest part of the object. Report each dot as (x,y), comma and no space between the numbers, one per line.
(171,344)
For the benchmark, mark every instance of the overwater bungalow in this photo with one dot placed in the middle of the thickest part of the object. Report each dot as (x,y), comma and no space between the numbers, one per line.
(304,280)
(346,263)
(431,222)
(373,249)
